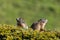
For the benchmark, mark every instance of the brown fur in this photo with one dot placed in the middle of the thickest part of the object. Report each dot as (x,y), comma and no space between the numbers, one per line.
(39,25)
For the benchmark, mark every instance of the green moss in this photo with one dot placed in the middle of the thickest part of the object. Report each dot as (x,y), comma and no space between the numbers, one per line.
(11,32)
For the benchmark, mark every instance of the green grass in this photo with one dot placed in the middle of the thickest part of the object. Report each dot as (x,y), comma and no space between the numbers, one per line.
(31,11)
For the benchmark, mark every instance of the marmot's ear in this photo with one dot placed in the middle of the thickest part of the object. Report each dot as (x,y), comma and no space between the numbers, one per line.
(17,18)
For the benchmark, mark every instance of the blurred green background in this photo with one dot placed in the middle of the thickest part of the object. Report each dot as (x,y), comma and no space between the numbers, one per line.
(31,11)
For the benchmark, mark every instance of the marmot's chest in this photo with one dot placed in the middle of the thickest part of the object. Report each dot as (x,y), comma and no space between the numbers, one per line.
(38,26)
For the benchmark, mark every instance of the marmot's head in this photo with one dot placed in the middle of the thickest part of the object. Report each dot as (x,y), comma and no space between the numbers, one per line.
(43,21)
(19,21)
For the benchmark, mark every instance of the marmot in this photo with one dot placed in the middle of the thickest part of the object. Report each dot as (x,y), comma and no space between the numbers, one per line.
(21,23)
(39,25)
